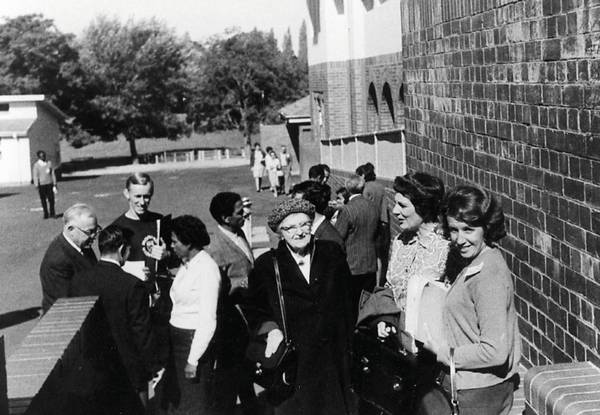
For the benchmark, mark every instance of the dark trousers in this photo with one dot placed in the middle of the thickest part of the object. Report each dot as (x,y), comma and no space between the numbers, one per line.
(360,283)
(47,198)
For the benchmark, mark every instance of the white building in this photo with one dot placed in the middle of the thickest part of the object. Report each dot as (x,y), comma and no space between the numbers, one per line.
(28,123)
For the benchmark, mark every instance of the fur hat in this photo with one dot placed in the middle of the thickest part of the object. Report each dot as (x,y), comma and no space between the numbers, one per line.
(288,207)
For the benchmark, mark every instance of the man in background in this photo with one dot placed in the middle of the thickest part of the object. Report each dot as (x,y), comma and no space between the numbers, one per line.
(69,253)
(285,159)
(44,178)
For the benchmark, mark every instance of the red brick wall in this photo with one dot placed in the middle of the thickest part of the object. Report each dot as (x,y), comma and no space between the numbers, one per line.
(506,94)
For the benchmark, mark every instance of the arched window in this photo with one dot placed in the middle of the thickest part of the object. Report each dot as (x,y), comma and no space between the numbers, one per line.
(372,109)
(388,118)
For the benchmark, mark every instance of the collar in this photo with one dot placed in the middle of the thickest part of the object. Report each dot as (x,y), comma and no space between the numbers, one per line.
(318,220)
(78,249)
(227,232)
(110,260)
(353,196)
(477,264)
(305,259)
(194,259)
(427,236)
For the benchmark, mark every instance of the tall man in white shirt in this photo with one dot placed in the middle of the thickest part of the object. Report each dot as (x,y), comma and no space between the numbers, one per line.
(44,178)
(232,253)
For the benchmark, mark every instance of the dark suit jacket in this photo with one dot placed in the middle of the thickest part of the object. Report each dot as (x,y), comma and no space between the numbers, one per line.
(327,232)
(319,322)
(124,299)
(357,224)
(60,263)
(232,262)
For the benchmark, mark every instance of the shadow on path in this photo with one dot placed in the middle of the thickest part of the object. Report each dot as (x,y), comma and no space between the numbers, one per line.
(13,318)
(73,178)
(3,195)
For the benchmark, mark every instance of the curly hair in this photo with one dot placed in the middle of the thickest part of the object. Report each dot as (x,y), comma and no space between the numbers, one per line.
(475,206)
(426,193)
(190,231)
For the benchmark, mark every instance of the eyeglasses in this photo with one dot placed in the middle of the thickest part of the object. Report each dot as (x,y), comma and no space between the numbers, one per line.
(90,233)
(303,226)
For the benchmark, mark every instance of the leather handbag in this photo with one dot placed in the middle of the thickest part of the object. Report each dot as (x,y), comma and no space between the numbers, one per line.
(387,375)
(276,374)
(439,401)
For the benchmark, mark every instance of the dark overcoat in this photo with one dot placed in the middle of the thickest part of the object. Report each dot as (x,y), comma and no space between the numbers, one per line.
(318,315)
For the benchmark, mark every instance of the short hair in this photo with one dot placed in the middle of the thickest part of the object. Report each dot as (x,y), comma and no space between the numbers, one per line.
(40,152)
(344,192)
(426,193)
(190,231)
(355,184)
(139,179)
(222,204)
(325,168)
(316,172)
(269,149)
(476,207)
(76,211)
(367,171)
(316,193)
(111,238)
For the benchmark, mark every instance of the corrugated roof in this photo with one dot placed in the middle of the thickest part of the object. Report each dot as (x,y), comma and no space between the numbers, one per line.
(19,126)
(297,109)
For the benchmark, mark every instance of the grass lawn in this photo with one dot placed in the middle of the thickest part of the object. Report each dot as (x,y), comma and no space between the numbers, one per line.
(26,235)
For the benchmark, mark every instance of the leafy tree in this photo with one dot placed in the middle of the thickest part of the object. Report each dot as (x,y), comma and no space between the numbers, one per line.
(287,49)
(136,72)
(303,47)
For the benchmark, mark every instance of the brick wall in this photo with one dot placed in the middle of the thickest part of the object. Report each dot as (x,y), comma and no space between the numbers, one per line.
(506,94)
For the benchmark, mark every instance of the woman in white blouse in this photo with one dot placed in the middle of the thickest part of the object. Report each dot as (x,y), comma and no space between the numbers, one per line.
(195,296)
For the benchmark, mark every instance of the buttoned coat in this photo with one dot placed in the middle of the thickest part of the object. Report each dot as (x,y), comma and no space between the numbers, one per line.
(60,263)
(357,224)
(319,324)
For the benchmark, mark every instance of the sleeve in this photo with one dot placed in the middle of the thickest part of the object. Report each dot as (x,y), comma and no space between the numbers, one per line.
(139,320)
(57,276)
(491,297)
(207,289)
(36,174)
(258,307)
(53,174)
(342,223)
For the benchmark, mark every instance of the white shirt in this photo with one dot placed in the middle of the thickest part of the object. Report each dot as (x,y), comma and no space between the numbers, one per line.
(353,196)
(316,222)
(195,294)
(303,262)
(240,242)
(112,261)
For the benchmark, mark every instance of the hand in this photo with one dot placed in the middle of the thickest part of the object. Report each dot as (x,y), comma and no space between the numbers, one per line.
(274,339)
(147,273)
(384,329)
(159,252)
(190,371)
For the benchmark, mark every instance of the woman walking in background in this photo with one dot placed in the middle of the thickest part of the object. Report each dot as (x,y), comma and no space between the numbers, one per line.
(480,322)
(258,166)
(273,170)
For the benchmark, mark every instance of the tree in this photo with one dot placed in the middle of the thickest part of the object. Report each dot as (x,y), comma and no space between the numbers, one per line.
(136,71)
(245,77)
(287,49)
(303,47)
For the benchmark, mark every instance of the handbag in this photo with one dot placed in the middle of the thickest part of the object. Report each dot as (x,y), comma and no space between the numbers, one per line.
(276,374)
(437,400)
(386,374)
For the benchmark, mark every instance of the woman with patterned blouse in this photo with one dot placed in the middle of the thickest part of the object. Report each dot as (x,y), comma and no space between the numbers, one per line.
(419,252)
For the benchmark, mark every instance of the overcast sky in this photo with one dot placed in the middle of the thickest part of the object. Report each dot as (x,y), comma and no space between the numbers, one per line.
(199,18)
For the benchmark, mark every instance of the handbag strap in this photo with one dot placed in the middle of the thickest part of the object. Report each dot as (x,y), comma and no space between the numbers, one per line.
(453,390)
(280,295)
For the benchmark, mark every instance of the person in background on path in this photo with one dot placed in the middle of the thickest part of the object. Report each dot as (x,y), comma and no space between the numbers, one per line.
(375,192)
(232,253)
(286,166)
(190,376)
(326,173)
(357,224)
(69,253)
(257,160)
(341,198)
(316,173)
(273,170)
(124,300)
(481,331)
(44,177)
(319,195)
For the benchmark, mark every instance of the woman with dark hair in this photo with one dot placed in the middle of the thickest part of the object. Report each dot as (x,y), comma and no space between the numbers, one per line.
(314,278)
(195,295)
(481,335)
(419,252)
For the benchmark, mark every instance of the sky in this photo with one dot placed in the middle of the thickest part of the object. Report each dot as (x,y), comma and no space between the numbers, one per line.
(199,18)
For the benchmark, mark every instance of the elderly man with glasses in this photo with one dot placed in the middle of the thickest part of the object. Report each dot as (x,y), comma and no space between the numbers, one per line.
(69,253)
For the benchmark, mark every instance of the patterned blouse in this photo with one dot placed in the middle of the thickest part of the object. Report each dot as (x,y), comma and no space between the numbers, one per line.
(425,255)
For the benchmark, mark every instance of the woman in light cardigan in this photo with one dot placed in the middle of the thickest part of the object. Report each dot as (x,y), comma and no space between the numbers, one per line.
(480,322)
(195,296)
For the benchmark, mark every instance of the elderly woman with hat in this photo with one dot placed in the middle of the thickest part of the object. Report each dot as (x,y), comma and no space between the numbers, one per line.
(315,280)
